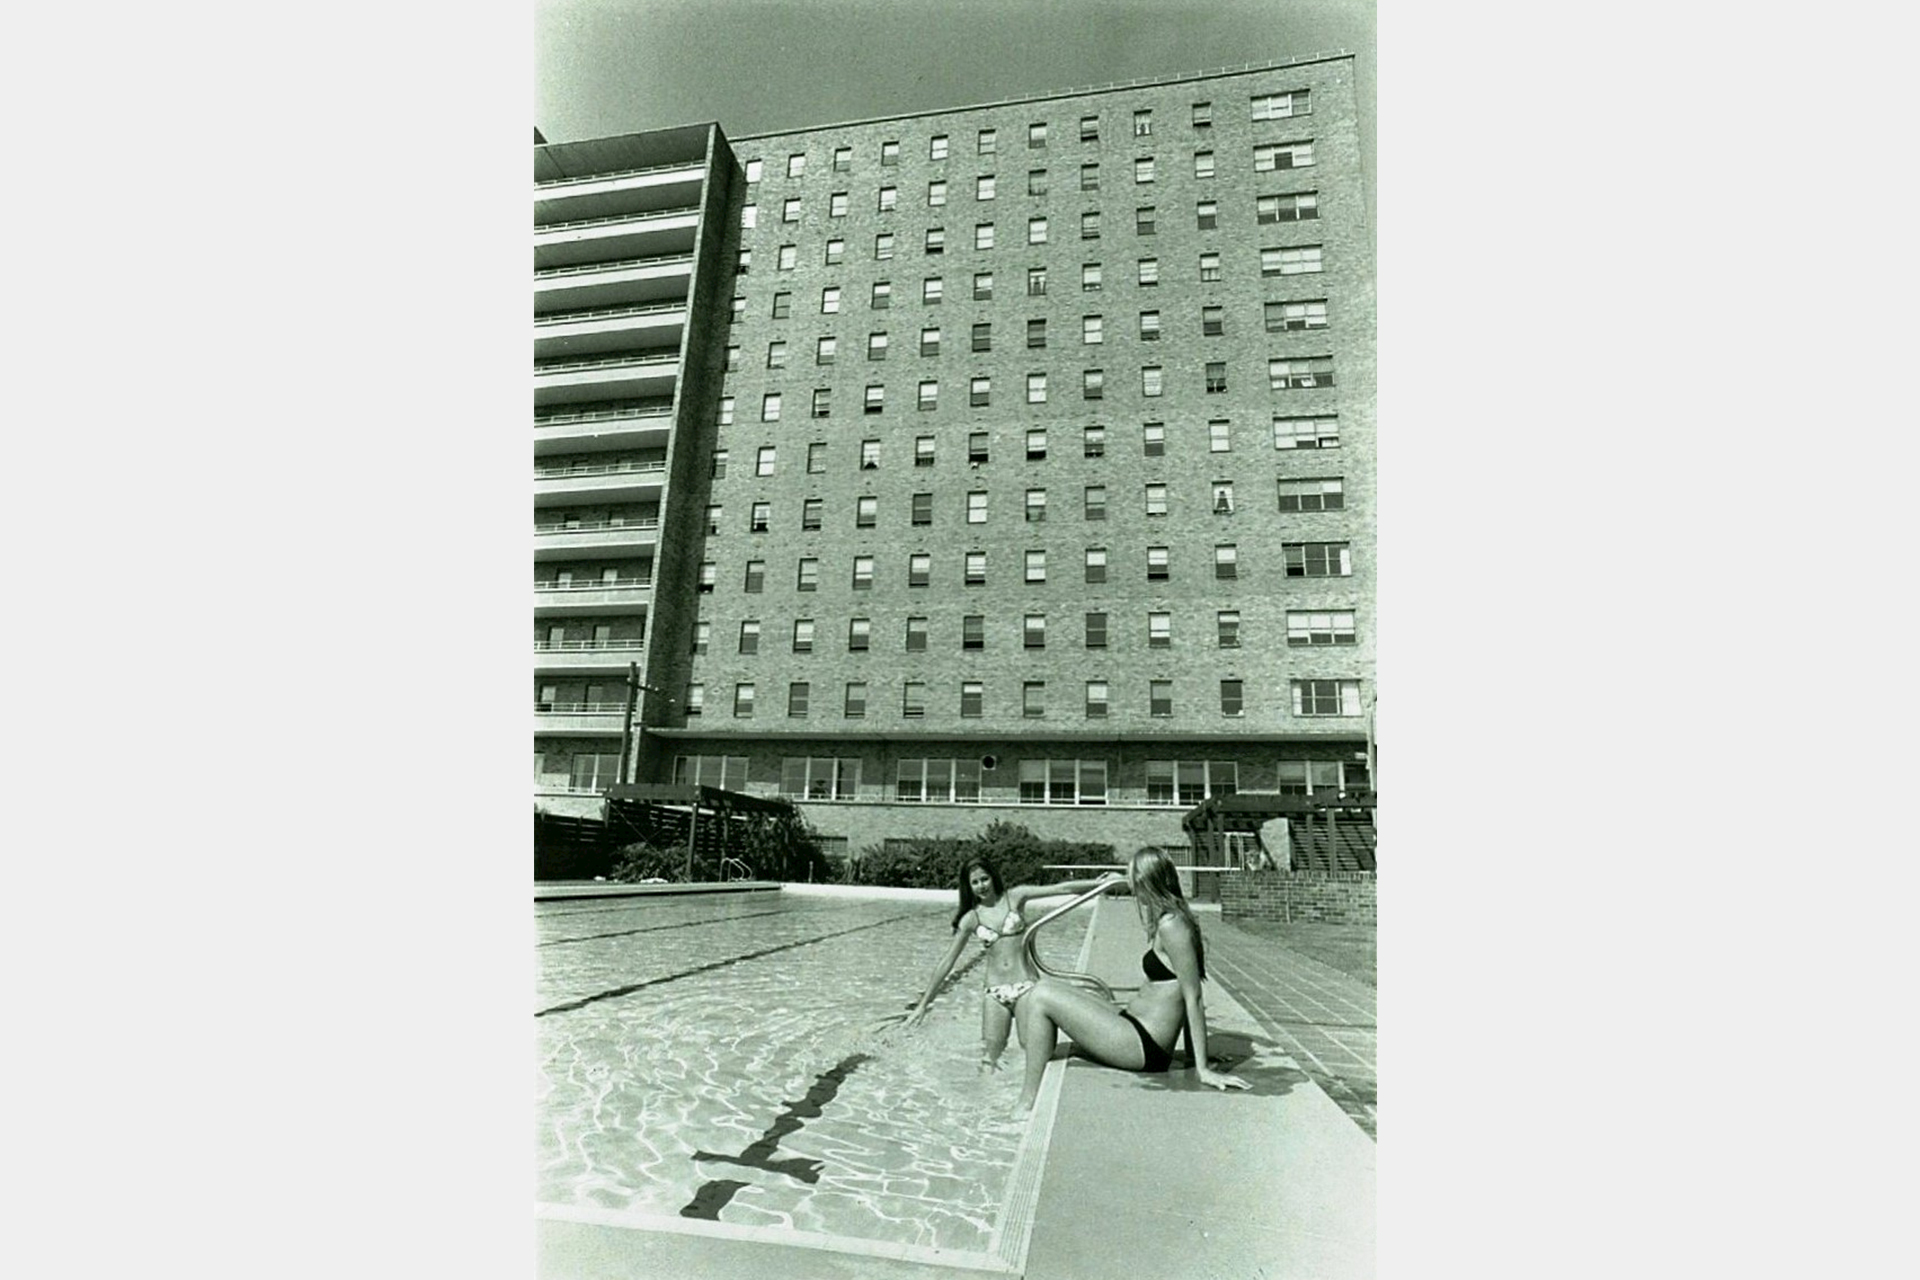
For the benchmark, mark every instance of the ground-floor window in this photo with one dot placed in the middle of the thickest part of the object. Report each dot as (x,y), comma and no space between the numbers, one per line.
(938,781)
(1188,782)
(1063,782)
(820,777)
(726,772)
(593,771)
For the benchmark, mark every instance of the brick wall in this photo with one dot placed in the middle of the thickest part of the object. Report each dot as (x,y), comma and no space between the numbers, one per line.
(1338,897)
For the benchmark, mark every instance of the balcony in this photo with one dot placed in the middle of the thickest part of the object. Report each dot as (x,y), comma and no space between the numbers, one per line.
(579,482)
(596,719)
(638,426)
(596,330)
(585,599)
(630,376)
(605,538)
(659,186)
(632,235)
(585,657)
(627,282)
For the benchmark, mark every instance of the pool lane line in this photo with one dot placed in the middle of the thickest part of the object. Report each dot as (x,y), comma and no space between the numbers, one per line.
(714,1196)
(630,988)
(655,928)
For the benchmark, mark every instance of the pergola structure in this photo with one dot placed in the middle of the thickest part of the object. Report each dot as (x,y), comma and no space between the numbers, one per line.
(1345,839)
(707,818)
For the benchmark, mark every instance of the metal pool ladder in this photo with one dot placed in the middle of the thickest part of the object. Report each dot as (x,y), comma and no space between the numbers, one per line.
(1067,975)
(727,861)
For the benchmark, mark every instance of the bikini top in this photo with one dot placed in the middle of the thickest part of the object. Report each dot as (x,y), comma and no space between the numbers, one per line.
(1155,968)
(1010,926)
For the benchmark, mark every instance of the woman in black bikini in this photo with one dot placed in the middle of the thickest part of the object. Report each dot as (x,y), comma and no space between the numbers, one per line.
(991,914)
(1141,1036)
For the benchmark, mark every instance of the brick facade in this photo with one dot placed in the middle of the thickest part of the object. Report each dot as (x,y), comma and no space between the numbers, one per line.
(1339,897)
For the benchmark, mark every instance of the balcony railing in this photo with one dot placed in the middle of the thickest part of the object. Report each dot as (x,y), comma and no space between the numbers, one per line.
(599,526)
(597,469)
(603,362)
(664,409)
(619,584)
(588,646)
(655,260)
(579,708)
(611,219)
(552,183)
(607,313)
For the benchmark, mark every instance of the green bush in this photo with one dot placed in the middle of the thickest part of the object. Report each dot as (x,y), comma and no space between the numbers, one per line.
(935,863)
(642,861)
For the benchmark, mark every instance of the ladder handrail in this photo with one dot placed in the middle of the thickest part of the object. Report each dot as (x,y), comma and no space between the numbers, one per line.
(1065,975)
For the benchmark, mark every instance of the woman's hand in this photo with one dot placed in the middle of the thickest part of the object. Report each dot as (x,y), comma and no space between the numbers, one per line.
(913,1018)
(1220,1079)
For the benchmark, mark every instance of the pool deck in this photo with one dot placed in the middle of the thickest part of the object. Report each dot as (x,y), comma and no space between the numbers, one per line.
(1152,1175)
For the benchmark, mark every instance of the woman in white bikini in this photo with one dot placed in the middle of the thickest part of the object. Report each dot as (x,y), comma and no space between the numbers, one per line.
(993,915)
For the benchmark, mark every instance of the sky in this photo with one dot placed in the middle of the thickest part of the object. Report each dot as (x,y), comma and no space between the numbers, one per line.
(605,67)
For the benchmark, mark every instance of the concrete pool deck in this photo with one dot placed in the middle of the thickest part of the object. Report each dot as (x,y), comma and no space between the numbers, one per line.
(1152,1175)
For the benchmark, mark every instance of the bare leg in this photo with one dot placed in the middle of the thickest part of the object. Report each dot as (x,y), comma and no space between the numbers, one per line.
(995,1022)
(1096,1027)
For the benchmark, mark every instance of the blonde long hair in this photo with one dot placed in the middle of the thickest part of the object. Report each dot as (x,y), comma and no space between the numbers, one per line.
(1156,891)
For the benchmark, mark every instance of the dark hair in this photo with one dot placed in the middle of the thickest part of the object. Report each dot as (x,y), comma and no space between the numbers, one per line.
(967,902)
(1156,891)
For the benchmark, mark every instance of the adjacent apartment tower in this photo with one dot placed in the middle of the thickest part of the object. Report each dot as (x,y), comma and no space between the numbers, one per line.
(1009,462)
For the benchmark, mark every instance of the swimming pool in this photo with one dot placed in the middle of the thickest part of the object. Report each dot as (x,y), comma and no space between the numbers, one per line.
(711,1060)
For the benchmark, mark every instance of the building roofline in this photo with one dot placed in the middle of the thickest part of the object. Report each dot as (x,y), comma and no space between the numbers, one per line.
(1080,92)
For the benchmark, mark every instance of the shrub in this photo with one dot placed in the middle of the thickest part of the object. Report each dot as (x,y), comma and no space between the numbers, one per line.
(639,861)
(935,863)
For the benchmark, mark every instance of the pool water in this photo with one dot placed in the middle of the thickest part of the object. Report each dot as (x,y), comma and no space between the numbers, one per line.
(717,1059)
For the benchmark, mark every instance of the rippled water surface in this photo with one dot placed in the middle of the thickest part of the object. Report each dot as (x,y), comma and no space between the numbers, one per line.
(718,1057)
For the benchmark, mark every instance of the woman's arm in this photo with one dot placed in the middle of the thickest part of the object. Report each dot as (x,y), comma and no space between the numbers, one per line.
(1021,894)
(961,933)
(1176,935)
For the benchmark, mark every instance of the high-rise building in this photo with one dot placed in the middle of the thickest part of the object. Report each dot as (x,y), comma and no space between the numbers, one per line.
(1014,461)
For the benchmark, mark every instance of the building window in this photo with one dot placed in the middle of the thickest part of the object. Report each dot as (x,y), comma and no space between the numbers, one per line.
(866,511)
(876,401)
(930,291)
(1153,439)
(973,696)
(913,699)
(1223,497)
(830,300)
(1036,230)
(1206,214)
(1033,699)
(1159,697)
(1036,382)
(1149,272)
(1096,502)
(936,193)
(1143,169)
(817,458)
(750,636)
(1326,697)
(822,402)
(738,312)
(1096,564)
(763,461)
(1289,375)
(1089,177)
(770,407)
(1232,693)
(876,346)
(1036,333)
(856,703)
(1036,566)
(1216,376)
(883,246)
(1036,182)
(1159,631)
(983,187)
(798,692)
(1036,282)
(1143,220)
(760,518)
(937,147)
(1282,155)
(743,699)
(1226,561)
(744,263)
(1149,326)
(1034,631)
(863,573)
(753,171)
(1090,225)
(1036,444)
(1063,782)
(982,290)
(973,631)
(1203,164)
(1318,559)
(733,359)
(808,576)
(1089,128)
(869,455)
(1036,506)
(1305,630)
(1093,442)
(790,209)
(916,635)
(1036,136)
(889,199)
(706,579)
(842,159)
(1279,106)
(890,153)
(989,142)
(776,355)
(930,342)
(1209,266)
(1158,569)
(837,205)
(929,395)
(977,447)
(938,781)
(979,390)
(796,165)
(1096,631)
(702,634)
(1188,782)
(982,237)
(1227,628)
(1306,433)
(811,510)
(1300,206)
(977,507)
(755,579)
(1096,707)
(782,305)
(859,634)
(923,451)
(1156,499)
(1301,261)
(1142,123)
(1219,436)
(1323,494)
(1203,115)
(1285,317)
(726,418)
(1090,278)
(1150,381)
(919,569)
(922,507)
